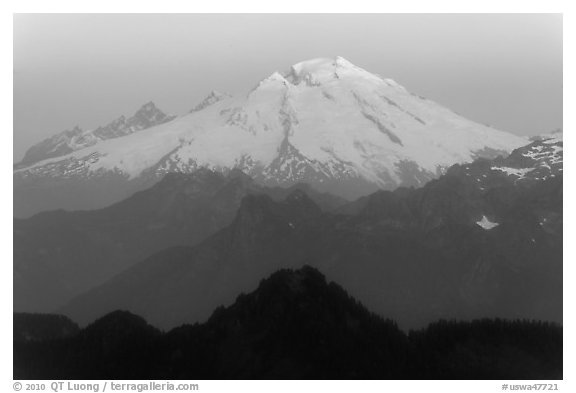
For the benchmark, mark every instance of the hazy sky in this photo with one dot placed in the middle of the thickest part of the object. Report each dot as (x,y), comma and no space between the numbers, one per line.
(86,70)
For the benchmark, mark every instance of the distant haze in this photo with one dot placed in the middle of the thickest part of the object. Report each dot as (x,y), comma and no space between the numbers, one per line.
(86,70)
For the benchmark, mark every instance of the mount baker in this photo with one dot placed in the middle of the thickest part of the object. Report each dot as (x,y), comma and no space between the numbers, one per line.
(325,122)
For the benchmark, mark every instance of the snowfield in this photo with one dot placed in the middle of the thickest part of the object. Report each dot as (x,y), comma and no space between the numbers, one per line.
(322,119)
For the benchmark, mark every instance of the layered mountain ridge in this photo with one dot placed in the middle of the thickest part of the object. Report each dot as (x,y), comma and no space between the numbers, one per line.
(60,254)
(325,122)
(477,242)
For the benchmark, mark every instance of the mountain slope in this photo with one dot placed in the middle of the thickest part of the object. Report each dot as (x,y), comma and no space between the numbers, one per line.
(77,139)
(296,325)
(325,122)
(474,243)
(183,284)
(60,254)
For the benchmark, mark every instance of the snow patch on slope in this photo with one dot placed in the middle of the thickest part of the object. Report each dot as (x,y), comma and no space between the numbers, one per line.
(486,223)
(519,172)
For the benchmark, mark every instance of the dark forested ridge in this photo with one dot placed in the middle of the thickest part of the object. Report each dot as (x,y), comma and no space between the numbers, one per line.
(39,327)
(296,325)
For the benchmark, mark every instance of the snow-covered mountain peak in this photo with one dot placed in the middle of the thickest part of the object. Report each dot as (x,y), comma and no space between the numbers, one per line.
(342,62)
(320,65)
(212,98)
(313,65)
(218,94)
(69,141)
(148,107)
(77,130)
(275,77)
(326,122)
(275,81)
(319,71)
(148,115)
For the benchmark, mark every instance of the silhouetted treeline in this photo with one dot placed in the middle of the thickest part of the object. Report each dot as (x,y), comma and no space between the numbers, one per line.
(37,327)
(296,326)
(488,349)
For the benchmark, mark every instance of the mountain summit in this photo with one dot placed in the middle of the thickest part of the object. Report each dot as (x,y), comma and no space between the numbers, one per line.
(325,122)
(77,139)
